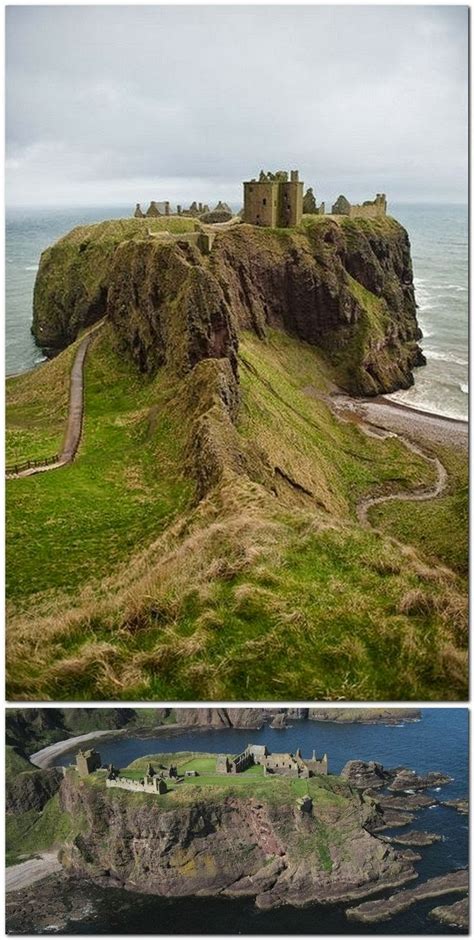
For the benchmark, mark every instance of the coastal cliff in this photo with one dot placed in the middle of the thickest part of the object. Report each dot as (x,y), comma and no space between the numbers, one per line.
(210,841)
(344,286)
(233,546)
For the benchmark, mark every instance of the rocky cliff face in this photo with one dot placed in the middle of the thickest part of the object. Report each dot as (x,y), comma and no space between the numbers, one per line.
(31,790)
(229,845)
(344,286)
(221,717)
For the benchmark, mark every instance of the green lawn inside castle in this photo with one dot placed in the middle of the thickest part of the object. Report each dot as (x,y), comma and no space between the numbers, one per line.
(185,776)
(205,542)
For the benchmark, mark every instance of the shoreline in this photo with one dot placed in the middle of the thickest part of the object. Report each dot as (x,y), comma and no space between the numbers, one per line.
(410,409)
(397,418)
(45,756)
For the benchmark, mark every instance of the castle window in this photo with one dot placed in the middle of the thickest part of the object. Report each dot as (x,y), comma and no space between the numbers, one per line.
(264,202)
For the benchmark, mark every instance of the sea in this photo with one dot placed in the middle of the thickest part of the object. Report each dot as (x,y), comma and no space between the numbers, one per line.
(438,741)
(439,240)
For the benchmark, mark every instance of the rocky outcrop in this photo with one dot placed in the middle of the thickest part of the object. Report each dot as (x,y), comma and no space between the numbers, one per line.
(414,838)
(461,806)
(364,774)
(373,911)
(31,790)
(370,775)
(406,779)
(230,845)
(365,716)
(220,717)
(454,915)
(279,721)
(344,286)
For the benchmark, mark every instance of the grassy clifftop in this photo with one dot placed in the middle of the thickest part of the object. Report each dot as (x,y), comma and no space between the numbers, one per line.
(73,278)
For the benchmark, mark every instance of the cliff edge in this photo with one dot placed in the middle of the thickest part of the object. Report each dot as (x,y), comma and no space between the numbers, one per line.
(217,840)
(345,286)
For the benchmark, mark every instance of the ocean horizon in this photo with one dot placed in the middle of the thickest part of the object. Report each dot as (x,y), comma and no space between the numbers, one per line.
(439,241)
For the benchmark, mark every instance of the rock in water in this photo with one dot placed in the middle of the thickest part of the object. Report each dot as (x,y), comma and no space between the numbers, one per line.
(279,721)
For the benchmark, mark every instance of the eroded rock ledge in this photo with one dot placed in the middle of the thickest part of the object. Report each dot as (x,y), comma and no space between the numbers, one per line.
(373,911)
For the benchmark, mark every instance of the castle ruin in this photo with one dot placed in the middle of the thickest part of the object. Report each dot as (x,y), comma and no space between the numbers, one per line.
(288,765)
(310,206)
(87,762)
(274,200)
(375,209)
(153,781)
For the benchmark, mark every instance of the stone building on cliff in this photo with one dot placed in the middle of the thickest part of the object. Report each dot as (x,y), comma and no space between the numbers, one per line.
(285,764)
(274,200)
(87,762)
(375,209)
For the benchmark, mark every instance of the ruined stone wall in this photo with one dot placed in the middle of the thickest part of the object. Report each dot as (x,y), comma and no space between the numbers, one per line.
(222,764)
(376,209)
(136,786)
(281,763)
(273,203)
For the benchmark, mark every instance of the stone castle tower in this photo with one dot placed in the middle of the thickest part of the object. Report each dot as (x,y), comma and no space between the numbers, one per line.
(274,200)
(87,762)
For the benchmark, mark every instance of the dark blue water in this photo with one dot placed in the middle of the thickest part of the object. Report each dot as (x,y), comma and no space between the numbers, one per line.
(438,742)
(439,239)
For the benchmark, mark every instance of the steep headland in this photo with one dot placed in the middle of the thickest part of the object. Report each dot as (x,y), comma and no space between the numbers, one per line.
(206,541)
(345,286)
(234,838)
(278,839)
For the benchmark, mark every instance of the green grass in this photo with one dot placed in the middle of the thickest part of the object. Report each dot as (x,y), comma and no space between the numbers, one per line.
(33,832)
(15,763)
(270,587)
(37,408)
(69,526)
(438,527)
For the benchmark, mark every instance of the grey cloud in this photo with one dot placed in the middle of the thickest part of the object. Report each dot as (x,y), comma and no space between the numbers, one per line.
(109,100)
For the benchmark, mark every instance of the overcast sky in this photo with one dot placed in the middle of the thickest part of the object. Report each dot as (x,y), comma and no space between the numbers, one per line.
(119,104)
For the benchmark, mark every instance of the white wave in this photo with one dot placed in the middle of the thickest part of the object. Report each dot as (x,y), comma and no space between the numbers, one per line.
(31,267)
(457,287)
(464,388)
(426,405)
(444,357)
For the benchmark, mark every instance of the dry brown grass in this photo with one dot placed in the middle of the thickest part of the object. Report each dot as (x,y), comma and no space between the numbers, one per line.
(415,603)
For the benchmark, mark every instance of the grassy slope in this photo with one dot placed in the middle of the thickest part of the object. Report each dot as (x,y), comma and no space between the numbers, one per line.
(36,410)
(15,763)
(71,526)
(440,528)
(267,590)
(32,832)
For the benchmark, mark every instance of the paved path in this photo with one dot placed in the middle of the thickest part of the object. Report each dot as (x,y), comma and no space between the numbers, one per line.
(35,869)
(75,416)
